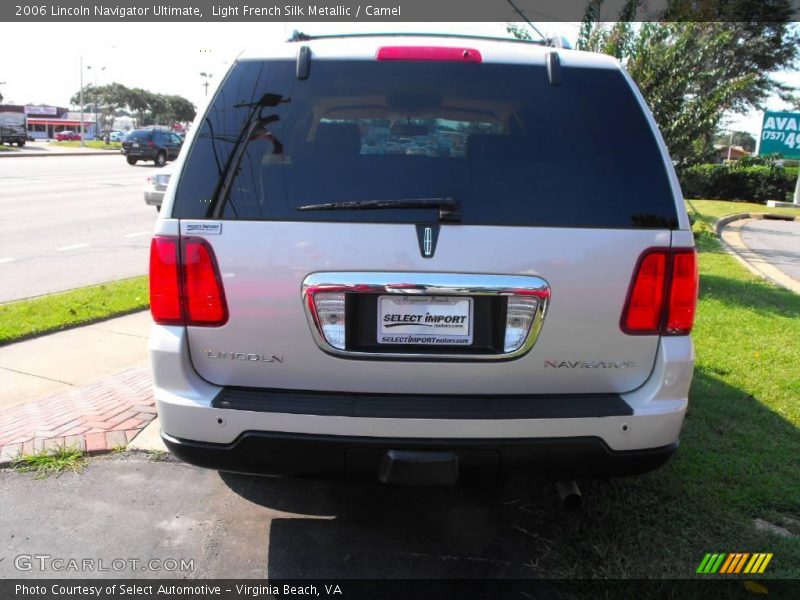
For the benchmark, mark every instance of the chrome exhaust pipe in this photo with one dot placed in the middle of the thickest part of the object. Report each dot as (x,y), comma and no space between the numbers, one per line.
(569,494)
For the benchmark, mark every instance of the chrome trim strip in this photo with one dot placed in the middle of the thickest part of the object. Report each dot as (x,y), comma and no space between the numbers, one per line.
(442,284)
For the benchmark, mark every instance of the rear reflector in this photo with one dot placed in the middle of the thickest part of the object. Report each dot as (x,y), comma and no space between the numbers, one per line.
(663,294)
(429,53)
(683,293)
(185,285)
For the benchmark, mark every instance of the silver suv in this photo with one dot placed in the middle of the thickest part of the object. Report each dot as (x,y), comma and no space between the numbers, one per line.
(423,260)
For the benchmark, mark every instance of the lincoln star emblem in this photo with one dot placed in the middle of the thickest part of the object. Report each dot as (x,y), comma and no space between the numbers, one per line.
(427,236)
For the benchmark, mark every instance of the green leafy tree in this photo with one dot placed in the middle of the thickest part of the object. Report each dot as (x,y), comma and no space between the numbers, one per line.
(148,108)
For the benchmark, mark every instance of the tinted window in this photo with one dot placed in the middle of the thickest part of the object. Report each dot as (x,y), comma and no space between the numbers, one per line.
(140,135)
(511,148)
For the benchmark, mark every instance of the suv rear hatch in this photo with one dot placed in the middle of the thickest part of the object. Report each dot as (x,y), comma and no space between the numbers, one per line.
(401,189)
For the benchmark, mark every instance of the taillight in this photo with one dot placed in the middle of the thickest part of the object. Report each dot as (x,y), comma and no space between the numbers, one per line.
(204,297)
(683,293)
(663,293)
(151,144)
(165,291)
(429,53)
(185,284)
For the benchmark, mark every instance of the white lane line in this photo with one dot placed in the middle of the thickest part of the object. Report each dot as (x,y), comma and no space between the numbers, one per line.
(73,247)
(138,233)
(5,260)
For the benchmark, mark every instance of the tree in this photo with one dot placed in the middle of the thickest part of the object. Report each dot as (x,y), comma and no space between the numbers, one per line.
(703,59)
(150,108)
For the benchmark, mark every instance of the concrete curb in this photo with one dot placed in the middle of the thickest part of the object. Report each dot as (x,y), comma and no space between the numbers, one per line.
(720,223)
(734,245)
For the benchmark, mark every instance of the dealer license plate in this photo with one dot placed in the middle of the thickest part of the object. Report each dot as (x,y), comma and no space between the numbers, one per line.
(425,320)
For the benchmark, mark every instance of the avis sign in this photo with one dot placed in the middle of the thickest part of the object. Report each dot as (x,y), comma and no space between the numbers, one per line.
(780,134)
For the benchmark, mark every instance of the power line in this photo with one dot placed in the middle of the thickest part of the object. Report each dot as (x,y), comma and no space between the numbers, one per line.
(522,14)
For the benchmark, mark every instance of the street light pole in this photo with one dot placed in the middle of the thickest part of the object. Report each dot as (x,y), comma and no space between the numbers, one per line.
(94,94)
(207,76)
(730,144)
(83,144)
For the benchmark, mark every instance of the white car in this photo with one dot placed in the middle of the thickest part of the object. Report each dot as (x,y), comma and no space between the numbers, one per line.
(422,260)
(154,187)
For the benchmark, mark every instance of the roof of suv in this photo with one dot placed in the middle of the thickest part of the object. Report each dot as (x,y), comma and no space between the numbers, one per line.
(492,50)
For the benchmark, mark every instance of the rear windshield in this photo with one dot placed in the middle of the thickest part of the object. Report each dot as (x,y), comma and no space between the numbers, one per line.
(140,135)
(509,147)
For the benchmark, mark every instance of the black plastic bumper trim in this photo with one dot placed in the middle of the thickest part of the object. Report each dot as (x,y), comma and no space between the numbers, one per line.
(402,406)
(360,458)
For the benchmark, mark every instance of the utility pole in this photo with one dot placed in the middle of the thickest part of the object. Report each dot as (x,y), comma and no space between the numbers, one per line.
(207,76)
(730,143)
(83,144)
(94,97)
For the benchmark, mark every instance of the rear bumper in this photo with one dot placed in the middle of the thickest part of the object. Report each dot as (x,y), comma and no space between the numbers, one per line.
(290,434)
(368,459)
(140,153)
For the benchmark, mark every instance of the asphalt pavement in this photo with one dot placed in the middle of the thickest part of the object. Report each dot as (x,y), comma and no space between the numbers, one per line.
(71,221)
(774,242)
(129,507)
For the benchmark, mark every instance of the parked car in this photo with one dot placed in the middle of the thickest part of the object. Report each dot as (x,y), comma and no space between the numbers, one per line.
(118,136)
(67,136)
(154,187)
(513,296)
(157,145)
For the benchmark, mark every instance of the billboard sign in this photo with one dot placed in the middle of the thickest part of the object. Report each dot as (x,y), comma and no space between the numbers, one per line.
(780,134)
(41,110)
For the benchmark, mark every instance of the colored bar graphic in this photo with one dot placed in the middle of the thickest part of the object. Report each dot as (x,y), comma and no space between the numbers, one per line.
(734,563)
(703,563)
(717,564)
(727,564)
(741,562)
(754,562)
(765,563)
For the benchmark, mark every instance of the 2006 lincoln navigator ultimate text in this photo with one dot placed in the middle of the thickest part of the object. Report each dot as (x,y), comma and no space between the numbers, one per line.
(421,259)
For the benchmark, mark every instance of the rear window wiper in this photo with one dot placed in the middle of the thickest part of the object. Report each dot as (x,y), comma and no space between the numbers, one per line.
(449,208)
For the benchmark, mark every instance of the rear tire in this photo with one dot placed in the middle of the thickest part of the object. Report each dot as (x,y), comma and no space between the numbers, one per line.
(132,161)
(161,159)
(20,144)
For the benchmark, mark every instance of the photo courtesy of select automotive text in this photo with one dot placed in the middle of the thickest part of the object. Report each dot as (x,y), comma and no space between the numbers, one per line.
(400,299)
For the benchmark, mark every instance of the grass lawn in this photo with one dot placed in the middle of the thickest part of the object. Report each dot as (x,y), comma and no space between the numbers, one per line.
(95,144)
(45,314)
(739,459)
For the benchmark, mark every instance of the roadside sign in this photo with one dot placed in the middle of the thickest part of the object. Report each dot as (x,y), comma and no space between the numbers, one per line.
(780,134)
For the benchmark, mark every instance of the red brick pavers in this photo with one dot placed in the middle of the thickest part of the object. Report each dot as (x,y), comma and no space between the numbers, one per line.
(95,417)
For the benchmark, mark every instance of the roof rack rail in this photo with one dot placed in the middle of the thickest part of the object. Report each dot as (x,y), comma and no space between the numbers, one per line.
(299,36)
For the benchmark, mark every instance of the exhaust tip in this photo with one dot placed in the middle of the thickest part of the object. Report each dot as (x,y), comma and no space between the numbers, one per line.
(569,494)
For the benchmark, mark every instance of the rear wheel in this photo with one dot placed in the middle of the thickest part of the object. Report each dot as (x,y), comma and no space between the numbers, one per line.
(161,159)
(21,144)
(132,161)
